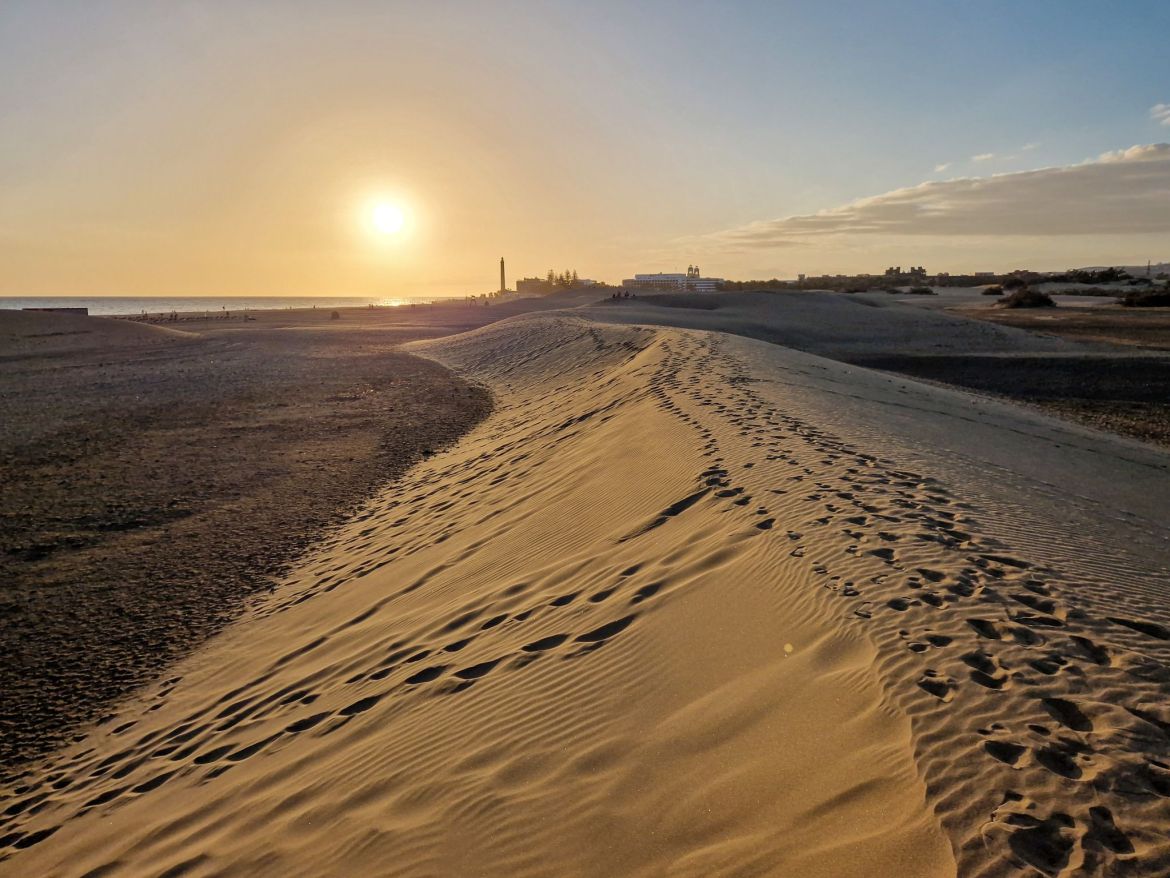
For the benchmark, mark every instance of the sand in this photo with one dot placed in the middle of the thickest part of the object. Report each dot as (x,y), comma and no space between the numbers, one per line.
(686,603)
(1106,367)
(159,473)
(154,480)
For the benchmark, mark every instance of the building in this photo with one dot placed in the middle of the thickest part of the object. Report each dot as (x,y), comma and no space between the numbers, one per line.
(542,286)
(916,274)
(667,282)
(533,286)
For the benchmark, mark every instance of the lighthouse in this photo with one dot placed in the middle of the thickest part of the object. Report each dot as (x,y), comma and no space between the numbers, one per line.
(503,286)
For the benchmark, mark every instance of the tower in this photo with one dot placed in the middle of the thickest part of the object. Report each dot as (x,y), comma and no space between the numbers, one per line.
(503,287)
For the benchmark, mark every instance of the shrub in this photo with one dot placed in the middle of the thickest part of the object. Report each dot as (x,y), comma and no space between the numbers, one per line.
(1013,283)
(1026,298)
(922,291)
(1091,276)
(993,290)
(1152,299)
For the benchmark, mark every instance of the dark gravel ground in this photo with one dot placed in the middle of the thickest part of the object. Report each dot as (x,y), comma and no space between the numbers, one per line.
(1126,395)
(1147,328)
(153,483)
(1107,367)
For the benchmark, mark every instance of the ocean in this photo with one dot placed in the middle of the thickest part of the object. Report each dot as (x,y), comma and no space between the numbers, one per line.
(99,305)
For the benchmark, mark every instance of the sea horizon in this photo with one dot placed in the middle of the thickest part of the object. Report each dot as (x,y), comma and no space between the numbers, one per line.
(133,305)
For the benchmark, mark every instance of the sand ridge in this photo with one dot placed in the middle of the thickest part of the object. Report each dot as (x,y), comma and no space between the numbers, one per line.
(648,618)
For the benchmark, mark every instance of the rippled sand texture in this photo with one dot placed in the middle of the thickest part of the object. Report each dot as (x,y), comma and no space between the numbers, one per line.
(649,618)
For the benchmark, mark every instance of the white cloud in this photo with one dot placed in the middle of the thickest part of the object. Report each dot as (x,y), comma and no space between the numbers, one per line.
(1028,147)
(983,157)
(1153,152)
(1161,113)
(1120,193)
(939,168)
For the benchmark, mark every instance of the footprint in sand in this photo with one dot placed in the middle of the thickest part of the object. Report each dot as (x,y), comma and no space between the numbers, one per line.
(938,684)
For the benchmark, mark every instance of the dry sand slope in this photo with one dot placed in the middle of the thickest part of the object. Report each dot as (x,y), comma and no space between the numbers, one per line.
(648,619)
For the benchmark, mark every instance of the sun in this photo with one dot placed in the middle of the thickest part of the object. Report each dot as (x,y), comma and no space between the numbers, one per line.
(387,218)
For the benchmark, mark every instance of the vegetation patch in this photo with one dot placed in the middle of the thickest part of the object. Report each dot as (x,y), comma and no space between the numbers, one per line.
(1147,299)
(1026,298)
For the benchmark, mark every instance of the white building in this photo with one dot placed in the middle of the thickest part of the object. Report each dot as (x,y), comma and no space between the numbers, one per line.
(667,282)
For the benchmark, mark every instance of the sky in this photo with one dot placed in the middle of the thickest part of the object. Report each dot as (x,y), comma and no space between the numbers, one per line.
(238,148)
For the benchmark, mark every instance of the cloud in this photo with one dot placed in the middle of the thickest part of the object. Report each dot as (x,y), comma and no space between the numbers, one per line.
(1161,113)
(939,168)
(1123,192)
(1028,146)
(1153,152)
(983,157)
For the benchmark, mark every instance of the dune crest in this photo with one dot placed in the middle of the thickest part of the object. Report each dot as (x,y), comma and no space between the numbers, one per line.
(646,619)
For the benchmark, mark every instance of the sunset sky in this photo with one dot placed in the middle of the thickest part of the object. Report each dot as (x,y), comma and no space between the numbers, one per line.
(238,148)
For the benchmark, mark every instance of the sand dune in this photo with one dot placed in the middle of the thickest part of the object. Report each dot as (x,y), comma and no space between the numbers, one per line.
(684,604)
(830,324)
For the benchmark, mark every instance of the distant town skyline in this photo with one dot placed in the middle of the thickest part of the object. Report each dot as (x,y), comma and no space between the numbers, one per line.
(357,149)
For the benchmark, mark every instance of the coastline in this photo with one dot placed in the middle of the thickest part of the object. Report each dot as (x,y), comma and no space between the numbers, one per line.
(155,306)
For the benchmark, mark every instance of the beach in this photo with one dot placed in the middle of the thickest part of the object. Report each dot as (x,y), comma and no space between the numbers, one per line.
(155,479)
(161,473)
(716,587)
